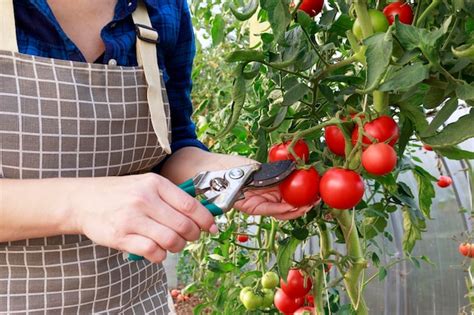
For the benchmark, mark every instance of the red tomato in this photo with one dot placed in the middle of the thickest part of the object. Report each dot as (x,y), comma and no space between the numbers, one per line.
(304,310)
(286,304)
(466,249)
(175,293)
(381,129)
(379,159)
(312,7)
(427,147)
(402,9)
(180,298)
(444,181)
(335,140)
(301,188)
(296,285)
(279,152)
(310,300)
(341,188)
(242,238)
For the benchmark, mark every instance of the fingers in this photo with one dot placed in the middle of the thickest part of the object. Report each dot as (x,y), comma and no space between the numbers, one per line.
(163,236)
(293,214)
(143,246)
(176,221)
(187,205)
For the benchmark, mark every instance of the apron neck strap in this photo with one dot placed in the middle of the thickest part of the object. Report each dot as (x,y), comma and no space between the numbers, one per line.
(7,26)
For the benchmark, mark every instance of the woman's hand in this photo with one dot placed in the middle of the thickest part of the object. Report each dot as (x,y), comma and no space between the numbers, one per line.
(267,202)
(142,214)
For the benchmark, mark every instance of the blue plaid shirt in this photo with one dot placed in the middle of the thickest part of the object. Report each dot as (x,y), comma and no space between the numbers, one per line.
(40,34)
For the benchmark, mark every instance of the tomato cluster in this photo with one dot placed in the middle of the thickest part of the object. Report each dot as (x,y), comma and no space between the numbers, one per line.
(293,293)
(262,298)
(467,249)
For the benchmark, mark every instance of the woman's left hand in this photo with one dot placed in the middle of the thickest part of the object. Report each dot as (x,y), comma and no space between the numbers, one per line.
(268,202)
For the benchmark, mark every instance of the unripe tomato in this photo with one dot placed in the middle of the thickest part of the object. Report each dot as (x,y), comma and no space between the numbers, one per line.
(304,310)
(335,140)
(279,152)
(378,20)
(268,296)
(242,238)
(286,304)
(243,291)
(296,284)
(341,188)
(427,147)
(301,188)
(444,181)
(402,9)
(270,280)
(380,129)
(379,159)
(466,249)
(175,293)
(251,301)
(312,7)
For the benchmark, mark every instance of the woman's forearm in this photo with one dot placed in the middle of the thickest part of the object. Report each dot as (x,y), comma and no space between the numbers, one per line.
(35,208)
(189,161)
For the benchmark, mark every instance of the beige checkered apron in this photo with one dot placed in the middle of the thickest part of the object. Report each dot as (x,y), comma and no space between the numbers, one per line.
(70,119)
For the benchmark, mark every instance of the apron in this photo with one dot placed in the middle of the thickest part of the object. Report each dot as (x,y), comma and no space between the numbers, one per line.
(71,119)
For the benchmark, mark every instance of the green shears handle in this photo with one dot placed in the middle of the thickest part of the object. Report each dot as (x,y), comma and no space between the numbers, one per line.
(188,187)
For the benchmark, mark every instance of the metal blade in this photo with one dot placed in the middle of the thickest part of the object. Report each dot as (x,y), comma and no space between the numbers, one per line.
(271,174)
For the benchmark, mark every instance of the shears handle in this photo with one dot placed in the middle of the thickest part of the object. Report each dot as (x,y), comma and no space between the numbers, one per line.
(190,189)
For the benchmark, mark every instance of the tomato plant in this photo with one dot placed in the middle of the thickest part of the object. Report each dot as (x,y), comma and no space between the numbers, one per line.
(291,78)
(301,188)
(401,9)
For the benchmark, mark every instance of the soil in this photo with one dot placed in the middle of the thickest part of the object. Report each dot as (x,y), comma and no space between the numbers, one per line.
(186,307)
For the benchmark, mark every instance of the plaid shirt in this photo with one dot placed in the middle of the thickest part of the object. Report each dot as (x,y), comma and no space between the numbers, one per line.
(40,34)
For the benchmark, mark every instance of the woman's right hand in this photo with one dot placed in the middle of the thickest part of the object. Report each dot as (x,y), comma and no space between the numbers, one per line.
(142,214)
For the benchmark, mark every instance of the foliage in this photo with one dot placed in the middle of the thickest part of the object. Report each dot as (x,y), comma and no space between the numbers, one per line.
(303,73)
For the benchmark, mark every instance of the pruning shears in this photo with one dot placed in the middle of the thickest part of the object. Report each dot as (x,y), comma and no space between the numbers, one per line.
(221,189)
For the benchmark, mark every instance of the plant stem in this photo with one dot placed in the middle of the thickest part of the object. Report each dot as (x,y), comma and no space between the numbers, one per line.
(380,101)
(316,50)
(286,71)
(427,12)
(354,251)
(331,67)
(325,249)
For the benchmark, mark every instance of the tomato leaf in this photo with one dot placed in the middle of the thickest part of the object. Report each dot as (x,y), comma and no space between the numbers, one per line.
(406,132)
(246,12)
(406,77)
(453,133)
(278,15)
(426,191)
(465,91)
(378,54)
(285,254)
(382,273)
(413,225)
(217,30)
(294,94)
(455,153)
(414,113)
(443,115)
(245,56)
(434,97)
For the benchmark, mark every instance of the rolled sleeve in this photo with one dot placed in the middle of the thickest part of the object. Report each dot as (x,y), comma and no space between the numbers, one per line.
(179,63)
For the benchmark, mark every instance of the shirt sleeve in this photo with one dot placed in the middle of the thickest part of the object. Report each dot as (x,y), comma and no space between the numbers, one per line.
(179,63)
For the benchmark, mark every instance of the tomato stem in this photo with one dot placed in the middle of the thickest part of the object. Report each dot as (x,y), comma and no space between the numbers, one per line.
(354,251)
(380,101)
(325,250)
(427,12)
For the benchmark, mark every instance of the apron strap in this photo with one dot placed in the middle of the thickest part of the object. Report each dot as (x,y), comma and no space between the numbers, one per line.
(7,26)
(147,39)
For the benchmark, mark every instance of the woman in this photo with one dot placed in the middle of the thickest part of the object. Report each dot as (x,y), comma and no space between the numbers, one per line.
(71,121)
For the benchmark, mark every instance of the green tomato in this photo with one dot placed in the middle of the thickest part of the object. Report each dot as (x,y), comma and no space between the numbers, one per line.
(379,23)
(251,301)
(242,292)
(270,280)
(268,296)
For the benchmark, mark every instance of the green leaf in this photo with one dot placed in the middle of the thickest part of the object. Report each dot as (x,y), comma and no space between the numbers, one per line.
(443,115)
(285,254)
(378,53)
(434,97)
(453,133)
(294,94)
(406,77)
(455,153)
(217,30)
(406,132)
(372,226)
(246,12)
(341,25)
(414,114)
(413,225)
(382,273)
(300,233)
(426,191)
(247,55)
(465,91)
(278,15)
(220,267)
